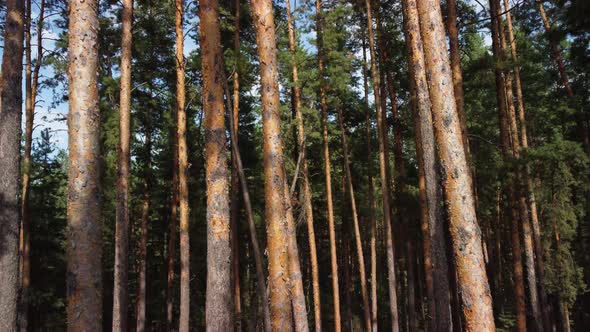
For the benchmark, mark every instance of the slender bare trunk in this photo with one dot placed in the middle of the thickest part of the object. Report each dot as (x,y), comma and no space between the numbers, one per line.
(84,284)
(235,207)
(122,214)
(411,261)
(145,216)
(296,96)
(10,135)
(262,293)
(183,323)
(172,235)
(327,167)
(464,229)
(31,85)
(357,233)
(383,166)
(274,173)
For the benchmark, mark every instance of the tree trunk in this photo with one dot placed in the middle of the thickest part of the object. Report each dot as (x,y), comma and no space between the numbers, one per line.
(372,220)
(122,210)
(503,102)
(327,167)
(262,293)
(84,284)
(172,235)
(145,216)
(274,174)
(464,230)
(296,96)
(235,207)
(357,233)
(430,191)
(410,254)
(383,166)
(31,85)
(183,323)
(556,55)
(219,303)
(10,136)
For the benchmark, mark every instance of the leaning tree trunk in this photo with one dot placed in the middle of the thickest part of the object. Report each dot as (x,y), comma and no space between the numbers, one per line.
(234,205)
(430,191)
(219,301)
(327,167)
(296,96)
(464,229)
(84,284)
(274,173)
(10,135)
(122,210)
(528,185)
(356,227)
(556,55)
(183,323)
(250,218)
(383,170)
(31,86)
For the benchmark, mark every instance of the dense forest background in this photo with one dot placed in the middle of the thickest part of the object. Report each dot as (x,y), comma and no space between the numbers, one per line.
(558,164)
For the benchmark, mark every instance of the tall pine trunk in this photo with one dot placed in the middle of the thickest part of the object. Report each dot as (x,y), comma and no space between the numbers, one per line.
(234,205)
(274,187)
(120,296)
(183,323)
(327,167)
(464,229)
(84,284)
(10,136)
(430,191)
(219,302)
(383,171)
(31,87)
(306,186)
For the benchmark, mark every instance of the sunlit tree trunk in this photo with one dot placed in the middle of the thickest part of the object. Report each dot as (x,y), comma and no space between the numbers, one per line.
(183,323)
(464,229)
(277,227)
(235,207)
(10,136)
(327,167)
(121,266)
(219,306)
(430,191)
(306,187)
(383,166)
(356,228)
(84,284)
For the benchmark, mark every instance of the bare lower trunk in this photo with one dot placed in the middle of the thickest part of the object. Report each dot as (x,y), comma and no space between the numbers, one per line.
(383,166)
(357,233)
(122,214)
(327,167)
(172,237)
(411,261)
(10,135)
(184,318)
(275,214)
(464,229)
(145,216)
(84,284)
